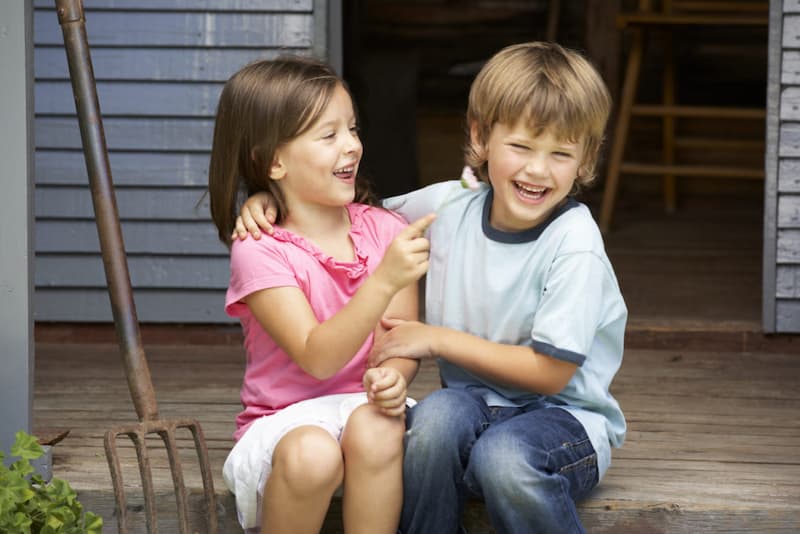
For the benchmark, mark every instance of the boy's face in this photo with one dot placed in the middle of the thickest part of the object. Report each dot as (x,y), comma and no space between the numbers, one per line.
(530,175)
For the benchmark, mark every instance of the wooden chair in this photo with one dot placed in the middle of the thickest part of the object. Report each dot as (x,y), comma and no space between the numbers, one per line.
(666,19)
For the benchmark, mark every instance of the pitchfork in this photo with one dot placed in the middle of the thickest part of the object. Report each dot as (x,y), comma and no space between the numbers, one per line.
(73,26)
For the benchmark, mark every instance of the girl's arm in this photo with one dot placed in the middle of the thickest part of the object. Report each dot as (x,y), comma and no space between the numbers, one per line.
(322,349)
(387,386)
(514,365)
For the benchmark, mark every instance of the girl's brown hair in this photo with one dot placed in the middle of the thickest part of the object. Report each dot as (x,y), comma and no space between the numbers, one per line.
(263,106)
(547,87)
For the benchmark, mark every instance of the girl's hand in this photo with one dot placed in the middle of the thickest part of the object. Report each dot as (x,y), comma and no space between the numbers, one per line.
(386,388)
(403,339)
(257,213)
(406,259)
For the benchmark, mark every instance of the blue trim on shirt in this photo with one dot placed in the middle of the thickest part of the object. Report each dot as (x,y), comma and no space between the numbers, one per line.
(525,236)
(559,354)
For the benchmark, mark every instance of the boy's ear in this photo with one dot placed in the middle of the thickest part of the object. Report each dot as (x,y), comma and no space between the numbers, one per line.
(476,141)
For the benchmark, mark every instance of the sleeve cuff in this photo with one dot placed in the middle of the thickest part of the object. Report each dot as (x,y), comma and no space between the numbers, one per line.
(559,354)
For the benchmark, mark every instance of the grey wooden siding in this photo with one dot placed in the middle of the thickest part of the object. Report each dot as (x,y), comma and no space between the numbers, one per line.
(782,195)
(160,66)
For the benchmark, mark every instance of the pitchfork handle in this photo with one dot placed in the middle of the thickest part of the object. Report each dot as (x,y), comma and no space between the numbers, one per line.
(73,26)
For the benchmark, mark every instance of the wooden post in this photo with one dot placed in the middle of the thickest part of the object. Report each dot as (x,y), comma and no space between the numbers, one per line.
(16,219)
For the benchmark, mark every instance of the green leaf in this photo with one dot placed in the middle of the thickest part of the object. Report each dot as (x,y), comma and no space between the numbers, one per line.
(93,523)
(26,446)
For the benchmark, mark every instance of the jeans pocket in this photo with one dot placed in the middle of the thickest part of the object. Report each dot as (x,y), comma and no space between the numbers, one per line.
(582,474)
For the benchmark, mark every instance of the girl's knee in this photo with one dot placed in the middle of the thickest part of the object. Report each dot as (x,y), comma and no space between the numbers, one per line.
(372,436)
(308,459)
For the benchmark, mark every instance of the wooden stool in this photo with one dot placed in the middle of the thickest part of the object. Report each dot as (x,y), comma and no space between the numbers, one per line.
(673,15)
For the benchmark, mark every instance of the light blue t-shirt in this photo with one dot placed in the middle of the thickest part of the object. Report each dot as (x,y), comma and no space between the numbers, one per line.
(550,287)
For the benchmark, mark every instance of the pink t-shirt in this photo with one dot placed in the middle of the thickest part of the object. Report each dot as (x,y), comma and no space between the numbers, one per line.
(272,380)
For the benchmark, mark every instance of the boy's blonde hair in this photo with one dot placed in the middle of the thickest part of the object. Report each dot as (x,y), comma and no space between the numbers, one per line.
(546,86)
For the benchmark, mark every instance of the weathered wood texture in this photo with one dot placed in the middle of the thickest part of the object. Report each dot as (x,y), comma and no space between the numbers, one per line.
(782,233)
(713,442)
(160,68)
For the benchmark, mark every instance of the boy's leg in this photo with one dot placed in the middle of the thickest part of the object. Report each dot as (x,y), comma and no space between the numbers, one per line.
(307,468)
(442,429)
(372,444)
(530,470)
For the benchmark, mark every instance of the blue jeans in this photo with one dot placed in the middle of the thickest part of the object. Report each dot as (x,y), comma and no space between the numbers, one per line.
(528,464)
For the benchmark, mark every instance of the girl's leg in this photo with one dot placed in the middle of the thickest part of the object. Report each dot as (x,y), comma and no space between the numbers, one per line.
(372,444)
(442,429)
(307,468)
(530,470)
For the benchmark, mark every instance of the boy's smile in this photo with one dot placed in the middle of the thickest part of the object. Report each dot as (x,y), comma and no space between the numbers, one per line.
(530,175)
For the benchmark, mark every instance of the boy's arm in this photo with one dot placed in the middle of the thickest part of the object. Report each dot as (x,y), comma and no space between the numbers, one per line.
(513,365)
(391,390)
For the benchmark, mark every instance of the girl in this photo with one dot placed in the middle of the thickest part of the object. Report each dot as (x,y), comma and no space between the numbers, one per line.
(310,299)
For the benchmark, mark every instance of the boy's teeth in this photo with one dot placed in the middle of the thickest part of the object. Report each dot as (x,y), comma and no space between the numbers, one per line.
(534,190)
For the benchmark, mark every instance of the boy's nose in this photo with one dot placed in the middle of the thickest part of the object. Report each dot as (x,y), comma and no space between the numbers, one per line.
(536,165)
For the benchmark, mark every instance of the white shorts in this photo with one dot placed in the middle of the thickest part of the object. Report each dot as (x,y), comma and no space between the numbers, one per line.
(250,461)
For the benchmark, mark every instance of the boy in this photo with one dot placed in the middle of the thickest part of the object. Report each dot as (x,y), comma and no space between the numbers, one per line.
(523,310)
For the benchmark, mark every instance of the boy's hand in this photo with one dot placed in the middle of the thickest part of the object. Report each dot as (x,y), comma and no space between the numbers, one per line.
(403,339)
(257,213)
(386,388)
(406,259)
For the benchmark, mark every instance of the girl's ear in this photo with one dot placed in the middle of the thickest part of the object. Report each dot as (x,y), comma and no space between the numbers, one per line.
(277,171)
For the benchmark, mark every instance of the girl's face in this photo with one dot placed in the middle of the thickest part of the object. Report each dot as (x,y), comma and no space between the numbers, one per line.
(530,175)
(319,167)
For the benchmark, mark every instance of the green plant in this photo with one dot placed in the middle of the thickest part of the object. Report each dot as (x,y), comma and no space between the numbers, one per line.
(29,505)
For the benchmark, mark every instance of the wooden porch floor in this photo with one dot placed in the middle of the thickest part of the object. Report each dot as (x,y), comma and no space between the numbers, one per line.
(713,442)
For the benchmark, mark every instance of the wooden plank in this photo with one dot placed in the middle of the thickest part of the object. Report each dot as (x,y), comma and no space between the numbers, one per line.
(789,140)
(788,246)
(789,211)
(159,237)
(75,202)
(190,5)
(127,168)
(193,29)
(159,64)
(141,99)
(790,104)
(157,306)
(201,272)
(788,315)
(790,68)
(788,282)
(175,135)
(791,6)
(789,176)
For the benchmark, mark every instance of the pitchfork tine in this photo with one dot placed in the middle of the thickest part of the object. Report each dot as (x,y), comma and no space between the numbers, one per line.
(73,26)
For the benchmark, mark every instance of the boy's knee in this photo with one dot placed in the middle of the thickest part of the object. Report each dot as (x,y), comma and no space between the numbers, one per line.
(308,459)
(499,462)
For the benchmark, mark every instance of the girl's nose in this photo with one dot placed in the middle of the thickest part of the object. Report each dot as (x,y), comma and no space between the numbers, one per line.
(353,143)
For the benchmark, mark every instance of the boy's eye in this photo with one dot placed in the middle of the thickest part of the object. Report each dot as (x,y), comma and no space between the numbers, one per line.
(563,154)
(519,146)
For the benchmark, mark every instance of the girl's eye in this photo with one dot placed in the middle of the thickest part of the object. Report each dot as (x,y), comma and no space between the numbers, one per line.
(519,146)
(330,135)
(563,154)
